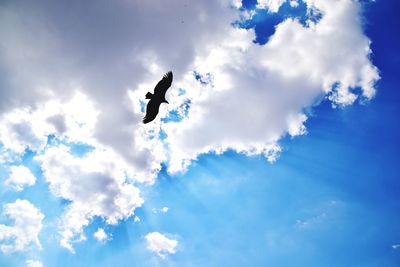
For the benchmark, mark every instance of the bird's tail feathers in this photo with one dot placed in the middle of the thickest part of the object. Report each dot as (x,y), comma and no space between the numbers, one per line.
(149,95)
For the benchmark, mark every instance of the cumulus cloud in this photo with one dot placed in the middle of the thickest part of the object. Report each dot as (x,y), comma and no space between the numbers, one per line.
(95,185)
(83,78)
(20,176)
(101,52)
(28,128)
(24,233)
(75,81)
(100,235)
(271,5)
(33,263)
(160,244)
(257,94)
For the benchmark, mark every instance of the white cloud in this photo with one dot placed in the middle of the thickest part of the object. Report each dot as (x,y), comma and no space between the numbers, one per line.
(294,3)
(28,128)
(160,244)
(271,5)
(271,84)
(70,84)
(95,185)
(86,85)
(236,3)
(33,263)
(62,60)
(26,228)
(165,209)
(274,5)
(296,124)
(100,235)
(260,93)
(19,177)
(396,246)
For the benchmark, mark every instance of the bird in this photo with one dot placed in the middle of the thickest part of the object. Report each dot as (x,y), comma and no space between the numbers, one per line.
(157,98)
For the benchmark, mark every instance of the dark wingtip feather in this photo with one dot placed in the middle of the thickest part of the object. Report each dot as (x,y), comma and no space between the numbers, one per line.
(168,74)
(146,120)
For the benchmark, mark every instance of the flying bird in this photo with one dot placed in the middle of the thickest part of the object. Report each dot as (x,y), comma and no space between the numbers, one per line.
(157,98)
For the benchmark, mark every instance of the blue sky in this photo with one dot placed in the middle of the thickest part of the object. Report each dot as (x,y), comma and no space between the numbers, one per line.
(331,198)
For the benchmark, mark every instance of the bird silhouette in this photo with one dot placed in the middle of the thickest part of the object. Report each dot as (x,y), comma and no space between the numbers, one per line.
(157,98)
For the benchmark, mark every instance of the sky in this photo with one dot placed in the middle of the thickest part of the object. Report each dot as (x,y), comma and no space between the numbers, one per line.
(279,145)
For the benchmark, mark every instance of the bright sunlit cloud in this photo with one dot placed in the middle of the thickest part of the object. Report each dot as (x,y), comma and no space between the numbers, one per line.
(24,231)
(80,170)
(160,244)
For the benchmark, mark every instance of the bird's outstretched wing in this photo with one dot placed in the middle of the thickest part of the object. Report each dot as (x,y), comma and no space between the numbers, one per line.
(151,110)
(163,85)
